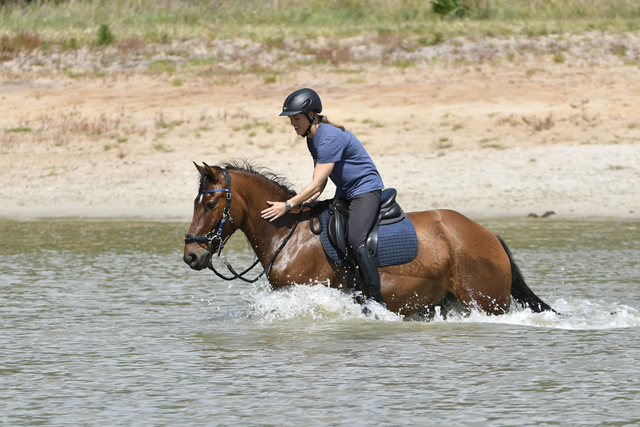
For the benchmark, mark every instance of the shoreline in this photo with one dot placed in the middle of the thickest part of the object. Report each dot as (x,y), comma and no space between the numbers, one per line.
(572,181)
(170,216)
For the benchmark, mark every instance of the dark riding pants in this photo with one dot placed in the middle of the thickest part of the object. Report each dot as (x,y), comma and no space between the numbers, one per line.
(363,212)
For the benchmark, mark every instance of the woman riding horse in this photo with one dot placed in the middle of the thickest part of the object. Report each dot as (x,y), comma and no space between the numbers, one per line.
(339,155)
(457,257)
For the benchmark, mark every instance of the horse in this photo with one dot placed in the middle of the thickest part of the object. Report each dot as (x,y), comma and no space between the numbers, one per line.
(457,260)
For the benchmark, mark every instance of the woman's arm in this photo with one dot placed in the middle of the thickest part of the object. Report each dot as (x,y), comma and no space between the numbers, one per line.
(321,173)
(324,184)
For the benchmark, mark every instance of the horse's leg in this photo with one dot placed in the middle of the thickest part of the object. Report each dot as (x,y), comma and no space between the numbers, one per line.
(303,262)
(408,295)
(443,307)
(481,283)
(480,270)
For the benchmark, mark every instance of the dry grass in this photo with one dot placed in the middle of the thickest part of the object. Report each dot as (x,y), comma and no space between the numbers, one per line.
(10,46)
(113,133)
(539,124)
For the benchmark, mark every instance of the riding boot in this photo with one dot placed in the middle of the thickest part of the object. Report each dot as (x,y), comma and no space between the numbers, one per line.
(369,273)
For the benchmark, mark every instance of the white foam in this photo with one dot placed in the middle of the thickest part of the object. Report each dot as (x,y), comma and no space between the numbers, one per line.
(323,304)
(313,303)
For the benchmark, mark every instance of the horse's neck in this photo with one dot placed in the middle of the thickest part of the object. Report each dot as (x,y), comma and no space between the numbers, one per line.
(263,236)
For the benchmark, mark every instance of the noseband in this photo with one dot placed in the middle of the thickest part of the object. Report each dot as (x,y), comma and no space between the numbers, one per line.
(216,235)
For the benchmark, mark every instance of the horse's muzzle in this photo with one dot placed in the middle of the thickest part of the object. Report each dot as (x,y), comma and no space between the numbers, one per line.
(198,260)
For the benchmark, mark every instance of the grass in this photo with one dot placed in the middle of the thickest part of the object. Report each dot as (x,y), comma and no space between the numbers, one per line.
(403,63)
(77,23)
(437,38)
(443,143)
(268,127)
(162,148)
(161,123)
(494,146)
(19,129)
(559,58)
(162,66)
(305,33)
(540,124)
(138,31)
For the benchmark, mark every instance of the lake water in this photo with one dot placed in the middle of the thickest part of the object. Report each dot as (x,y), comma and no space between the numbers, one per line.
(103,324)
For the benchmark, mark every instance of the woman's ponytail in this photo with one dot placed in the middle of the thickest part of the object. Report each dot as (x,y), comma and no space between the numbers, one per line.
(324,119)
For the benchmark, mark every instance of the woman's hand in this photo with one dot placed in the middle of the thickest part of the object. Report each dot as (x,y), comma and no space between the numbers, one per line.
(276,210)
(321,172)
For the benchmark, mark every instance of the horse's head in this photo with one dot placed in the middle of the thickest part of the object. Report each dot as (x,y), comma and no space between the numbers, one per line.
(212,223)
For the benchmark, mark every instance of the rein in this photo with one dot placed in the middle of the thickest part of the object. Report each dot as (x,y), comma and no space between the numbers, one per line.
(268,266)
(214,235)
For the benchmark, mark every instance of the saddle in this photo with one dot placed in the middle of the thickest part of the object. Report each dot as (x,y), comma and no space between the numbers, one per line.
(390,212)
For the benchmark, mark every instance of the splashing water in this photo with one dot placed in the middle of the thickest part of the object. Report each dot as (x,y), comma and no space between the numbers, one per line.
(322,304)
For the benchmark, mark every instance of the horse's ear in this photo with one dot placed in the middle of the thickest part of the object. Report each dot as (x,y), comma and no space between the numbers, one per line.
(209,172)
(198,167)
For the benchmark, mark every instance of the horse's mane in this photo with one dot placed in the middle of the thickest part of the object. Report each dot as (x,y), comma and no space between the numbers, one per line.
(248,167)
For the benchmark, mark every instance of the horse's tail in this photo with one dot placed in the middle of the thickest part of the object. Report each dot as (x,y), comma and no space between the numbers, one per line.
(519,289)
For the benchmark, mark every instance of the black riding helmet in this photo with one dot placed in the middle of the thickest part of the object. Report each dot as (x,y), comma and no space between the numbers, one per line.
(302,101)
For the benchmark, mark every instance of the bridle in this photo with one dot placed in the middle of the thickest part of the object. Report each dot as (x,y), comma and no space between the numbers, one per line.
(216,235)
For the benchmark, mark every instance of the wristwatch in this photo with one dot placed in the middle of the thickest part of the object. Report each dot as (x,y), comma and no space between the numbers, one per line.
(287,206)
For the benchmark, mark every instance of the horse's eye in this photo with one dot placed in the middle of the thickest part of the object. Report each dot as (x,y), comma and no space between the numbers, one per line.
(211,206)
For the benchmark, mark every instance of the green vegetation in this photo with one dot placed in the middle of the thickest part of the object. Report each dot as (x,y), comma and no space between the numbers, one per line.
(162,148)
(162,66)
(559,58)
(105,36)
(268,127)
(443,143)
(403,63)
(76,23)
(449,8)
(19,129)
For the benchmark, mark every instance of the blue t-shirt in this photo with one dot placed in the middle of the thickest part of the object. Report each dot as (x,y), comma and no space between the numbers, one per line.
(354,172)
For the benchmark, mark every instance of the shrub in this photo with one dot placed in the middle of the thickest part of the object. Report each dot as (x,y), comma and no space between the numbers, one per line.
(105,36)
(449,8)
(559,58)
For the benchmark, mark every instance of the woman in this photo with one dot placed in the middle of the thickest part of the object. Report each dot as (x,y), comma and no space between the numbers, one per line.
(338,155)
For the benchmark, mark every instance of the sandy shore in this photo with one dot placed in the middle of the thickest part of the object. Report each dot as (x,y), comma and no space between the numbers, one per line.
(508,138)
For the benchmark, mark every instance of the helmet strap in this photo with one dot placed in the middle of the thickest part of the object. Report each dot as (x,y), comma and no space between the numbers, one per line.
(309,128)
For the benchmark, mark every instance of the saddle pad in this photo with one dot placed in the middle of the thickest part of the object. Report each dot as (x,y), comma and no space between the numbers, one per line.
(397,243)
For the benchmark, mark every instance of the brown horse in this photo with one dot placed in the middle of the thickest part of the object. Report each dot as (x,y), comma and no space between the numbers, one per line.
(456,256)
